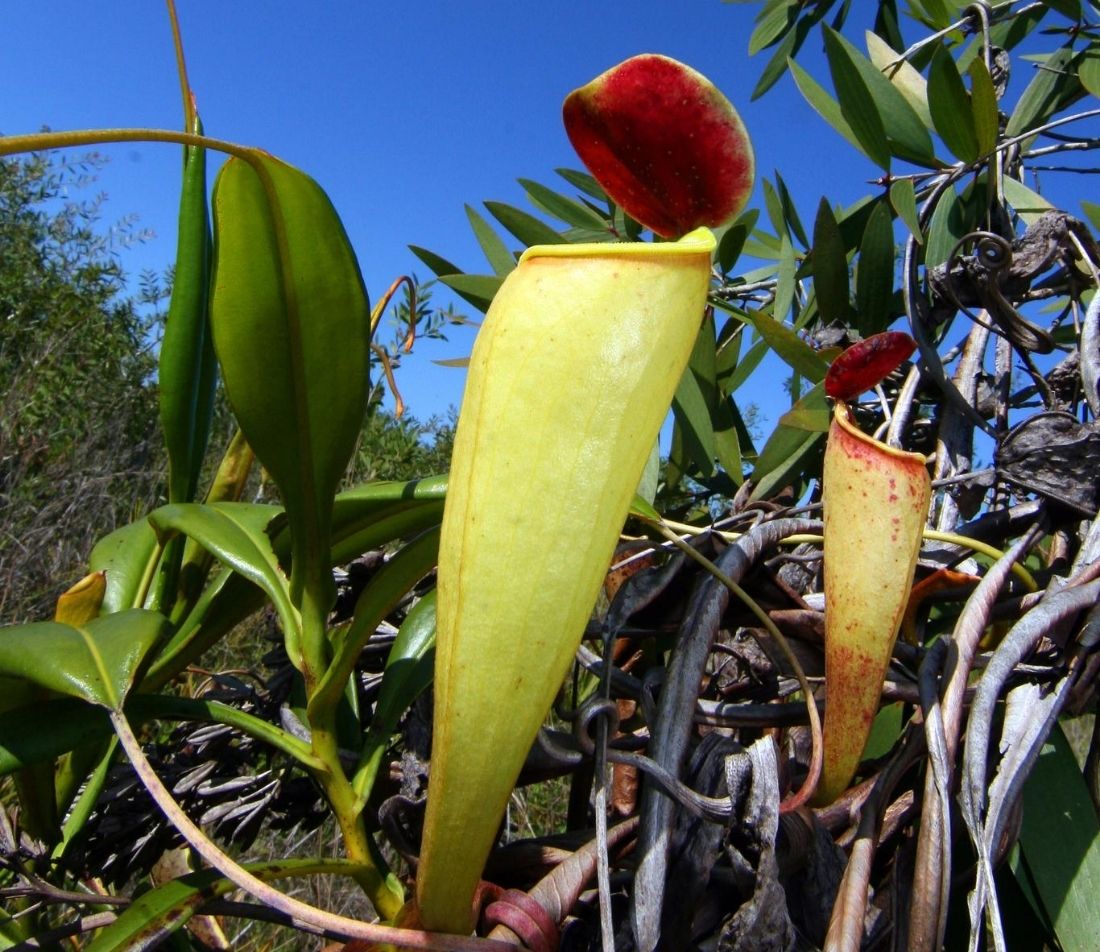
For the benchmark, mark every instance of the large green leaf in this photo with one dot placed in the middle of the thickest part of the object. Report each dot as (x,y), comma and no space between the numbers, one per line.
(60,725)
(983,103)
(151,918)
(1060,839)
(291,328)
(128,556)
(96,662)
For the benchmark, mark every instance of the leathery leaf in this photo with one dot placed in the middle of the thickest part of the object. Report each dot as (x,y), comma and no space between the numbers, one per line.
(291,325)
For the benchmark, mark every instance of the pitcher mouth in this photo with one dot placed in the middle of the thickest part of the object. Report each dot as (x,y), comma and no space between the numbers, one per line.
(694,242)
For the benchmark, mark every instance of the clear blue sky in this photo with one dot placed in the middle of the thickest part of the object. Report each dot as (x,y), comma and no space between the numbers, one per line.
(403,111)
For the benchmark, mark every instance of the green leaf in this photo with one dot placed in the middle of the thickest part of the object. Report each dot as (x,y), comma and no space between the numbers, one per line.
(903,199)
(439,265)
(584,183)
(830,267)
(901,74)
(733,239)
(772,22)
(96,662)
(951,219)
(187,371)
(1092,212)
(128,556)
(527,228)
(569,211)
(949,103)
(794,351)
(1088,70)
(785,456)
(1060,839)
(381,596)
(409,671)
(1029,205)
(292,332)
(155,915)
(875,273)
(500,258)
(790,213)
(781,59)
(823,104)
(983,102)
(857,105)
(811,413)
(905,131)
(235,533)
(477,289)
(1052,86)
(60,725)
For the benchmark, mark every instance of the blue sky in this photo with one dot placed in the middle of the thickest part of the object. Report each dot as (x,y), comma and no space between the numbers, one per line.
(402,111)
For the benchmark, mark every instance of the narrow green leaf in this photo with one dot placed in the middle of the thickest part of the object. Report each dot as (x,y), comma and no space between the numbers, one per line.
(292,331)
(571,212)
(857,105)
(1092,212)
(1052,86)
(477,289)
(155,915)
(1060,839)
(790,213)
(1029,205)
(408,672)
(901,74)
(785,281)
(774,19)
(983,101)
(784,458)
(875,273)
(527,228)
(187,370)
(97,662)
(905,131)
(733,239)
(381,596)
(439,265)
(903,198)
(823,104)
(794,351)
(950,221)
(777,65)
(811,413)
(584,183)
(501,260)
(774,208)
(692,413)
(830,267)
(949,103)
